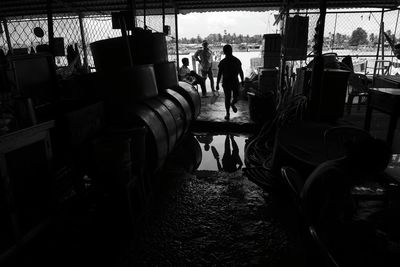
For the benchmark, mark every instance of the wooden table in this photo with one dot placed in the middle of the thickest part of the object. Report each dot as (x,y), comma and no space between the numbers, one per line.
(386,100)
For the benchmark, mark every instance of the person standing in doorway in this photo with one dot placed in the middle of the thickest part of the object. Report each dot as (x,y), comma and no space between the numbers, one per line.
(204,57)
(229,68)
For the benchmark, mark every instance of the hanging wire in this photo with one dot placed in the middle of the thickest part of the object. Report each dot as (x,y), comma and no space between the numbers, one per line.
(377,22)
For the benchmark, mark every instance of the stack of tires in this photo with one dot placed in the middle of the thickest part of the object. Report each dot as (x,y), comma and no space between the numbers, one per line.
(146,93)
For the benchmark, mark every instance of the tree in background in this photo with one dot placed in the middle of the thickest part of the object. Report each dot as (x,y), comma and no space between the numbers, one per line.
(217,38)
(373,39)
(358,37)
(341,38)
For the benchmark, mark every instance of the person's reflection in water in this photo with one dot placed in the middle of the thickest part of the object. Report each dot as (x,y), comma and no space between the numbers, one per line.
(231,160)
(205,139)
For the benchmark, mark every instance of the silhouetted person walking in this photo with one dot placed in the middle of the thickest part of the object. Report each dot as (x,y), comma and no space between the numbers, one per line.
(204,56)
(231,160)
(229,68)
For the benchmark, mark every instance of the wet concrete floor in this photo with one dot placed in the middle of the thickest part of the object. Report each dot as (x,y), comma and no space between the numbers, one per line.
(205,217)
(214,217)
(213,109)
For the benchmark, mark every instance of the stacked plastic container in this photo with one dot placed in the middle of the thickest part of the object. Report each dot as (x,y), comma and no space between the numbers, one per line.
(145,91)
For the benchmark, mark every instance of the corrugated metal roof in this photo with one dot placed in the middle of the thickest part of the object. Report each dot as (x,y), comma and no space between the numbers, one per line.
(35,7)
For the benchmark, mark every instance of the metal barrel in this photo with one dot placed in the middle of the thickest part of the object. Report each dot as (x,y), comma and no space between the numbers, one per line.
(188,154)
(167,119)
(112,161)
(177,113)
(157,138)
(127,86)
(191,95)
(166,75)
(146,48)
(179,100)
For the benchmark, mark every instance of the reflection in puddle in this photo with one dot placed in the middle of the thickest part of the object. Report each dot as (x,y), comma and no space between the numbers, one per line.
(221,152)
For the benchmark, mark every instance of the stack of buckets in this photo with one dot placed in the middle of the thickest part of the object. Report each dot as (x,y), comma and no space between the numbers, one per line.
(146,93)
(262,101)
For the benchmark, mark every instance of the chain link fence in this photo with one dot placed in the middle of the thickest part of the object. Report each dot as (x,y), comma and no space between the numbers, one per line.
(353,32)
(347,32)
(67,26)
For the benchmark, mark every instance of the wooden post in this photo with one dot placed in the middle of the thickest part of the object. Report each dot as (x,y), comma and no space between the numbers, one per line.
(83,39)
(176,38)
(10,48)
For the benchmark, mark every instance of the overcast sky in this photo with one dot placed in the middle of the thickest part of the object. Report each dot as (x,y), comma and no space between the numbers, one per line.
(251,23)
(242,22)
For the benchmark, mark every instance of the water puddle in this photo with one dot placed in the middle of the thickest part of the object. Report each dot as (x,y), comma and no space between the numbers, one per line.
(223,152)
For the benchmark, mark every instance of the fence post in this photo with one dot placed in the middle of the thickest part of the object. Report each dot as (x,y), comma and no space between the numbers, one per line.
(176,37)
(282,61)
(50,25)
(163,13)
(379,38)
(83,39)
(10,48)
(132,13)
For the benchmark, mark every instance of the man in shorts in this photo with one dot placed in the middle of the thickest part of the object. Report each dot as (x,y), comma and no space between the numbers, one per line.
(229,68)
(204,57)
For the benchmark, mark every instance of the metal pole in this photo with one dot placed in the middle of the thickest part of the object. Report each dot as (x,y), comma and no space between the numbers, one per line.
(84,47)
(144,14)
(125,37)
(379,38)
(163,13)
(282,64)
(132,13)
(383,40)
(50,25)
(176,37)
(10,48)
